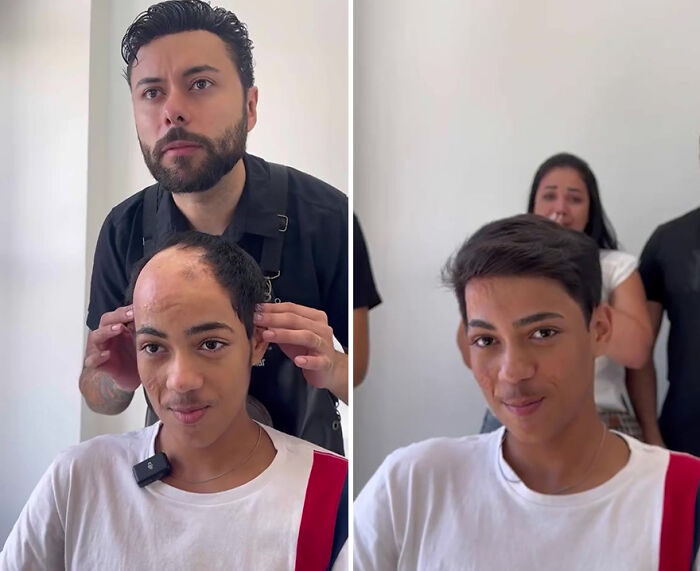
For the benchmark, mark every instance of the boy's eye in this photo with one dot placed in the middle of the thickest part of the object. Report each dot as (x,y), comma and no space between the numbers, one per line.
(201,84)
(544,333)
(212,345)
(483,341)
(150,348)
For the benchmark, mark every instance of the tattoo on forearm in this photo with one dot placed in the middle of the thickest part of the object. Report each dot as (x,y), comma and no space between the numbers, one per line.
(105,397)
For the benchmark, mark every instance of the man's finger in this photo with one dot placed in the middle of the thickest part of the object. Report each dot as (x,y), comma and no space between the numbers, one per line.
(99,336)
(120,315)
(292,321)
(313,362)
(97,358)
(295,308)
(303,338)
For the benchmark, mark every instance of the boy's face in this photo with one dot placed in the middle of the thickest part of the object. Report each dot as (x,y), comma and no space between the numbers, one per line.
(193,354)
(532,352)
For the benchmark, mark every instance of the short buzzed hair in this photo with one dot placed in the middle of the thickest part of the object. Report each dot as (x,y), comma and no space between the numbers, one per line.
(232,267)
(529,246)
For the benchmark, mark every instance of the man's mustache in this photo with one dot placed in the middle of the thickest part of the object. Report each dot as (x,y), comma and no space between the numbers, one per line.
(179,134)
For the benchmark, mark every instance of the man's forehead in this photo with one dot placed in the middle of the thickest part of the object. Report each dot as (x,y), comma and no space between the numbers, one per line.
(192,48)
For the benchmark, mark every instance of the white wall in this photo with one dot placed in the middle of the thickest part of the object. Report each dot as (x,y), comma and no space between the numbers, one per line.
(456,104)
(300,52)
(43,185)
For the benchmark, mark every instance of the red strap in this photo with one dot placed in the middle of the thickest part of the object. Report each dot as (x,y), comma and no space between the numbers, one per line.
(315,542)
(678,523)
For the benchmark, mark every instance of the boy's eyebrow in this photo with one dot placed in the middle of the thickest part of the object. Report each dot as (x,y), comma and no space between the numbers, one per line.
(481,323)
(209,326)
(535,317)
(527,320)
(147,330)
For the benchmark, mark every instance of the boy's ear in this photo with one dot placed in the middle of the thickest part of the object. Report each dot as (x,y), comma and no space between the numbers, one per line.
(601,328)
(259,345)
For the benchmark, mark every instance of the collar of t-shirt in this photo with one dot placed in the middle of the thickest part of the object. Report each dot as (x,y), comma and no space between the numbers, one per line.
(277,471)
(253,214)
(516,488)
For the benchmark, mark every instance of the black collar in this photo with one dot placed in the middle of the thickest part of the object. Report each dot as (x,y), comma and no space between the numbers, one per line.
(255,213)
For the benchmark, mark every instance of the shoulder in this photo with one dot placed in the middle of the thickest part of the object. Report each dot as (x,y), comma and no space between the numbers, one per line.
(125,213)
(315,192)
(617,258)
(617,266)
(301,448)
(678,226)
(438,457)
(309,191)
(650,461)
(102,451)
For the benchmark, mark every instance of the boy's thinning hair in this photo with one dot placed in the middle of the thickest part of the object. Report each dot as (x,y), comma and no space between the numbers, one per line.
(529,246)
(232,267)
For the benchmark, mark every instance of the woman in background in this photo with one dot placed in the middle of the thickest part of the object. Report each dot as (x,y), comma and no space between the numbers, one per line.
(565,190)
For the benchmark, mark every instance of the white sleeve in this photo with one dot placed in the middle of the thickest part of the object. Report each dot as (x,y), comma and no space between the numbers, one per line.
(375,544)
(37,540)
(616,267)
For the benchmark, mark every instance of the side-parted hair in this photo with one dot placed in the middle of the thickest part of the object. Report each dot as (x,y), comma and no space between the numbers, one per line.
(598,226)
(233,269)
(529,246)
(175,16)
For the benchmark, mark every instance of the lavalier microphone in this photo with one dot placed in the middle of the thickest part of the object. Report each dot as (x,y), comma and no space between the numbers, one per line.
(151,469)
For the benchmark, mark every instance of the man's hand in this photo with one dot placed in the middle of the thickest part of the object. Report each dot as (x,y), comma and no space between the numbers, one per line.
(305,337)
(110,349)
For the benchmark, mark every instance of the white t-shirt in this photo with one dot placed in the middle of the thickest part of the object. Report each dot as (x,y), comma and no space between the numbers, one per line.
(610,391)
(87,512)
(445,504)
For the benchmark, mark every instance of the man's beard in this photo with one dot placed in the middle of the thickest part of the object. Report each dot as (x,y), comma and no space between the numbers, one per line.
(221,156)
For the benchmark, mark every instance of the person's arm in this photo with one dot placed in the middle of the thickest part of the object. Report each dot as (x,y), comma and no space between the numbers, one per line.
(632,337)
(101,392)
(110,376)
(360,344)
(641,385)
(365,297)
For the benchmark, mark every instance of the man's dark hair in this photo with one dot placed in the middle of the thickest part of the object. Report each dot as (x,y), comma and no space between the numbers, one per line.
(232,267)
(529,246)
(598,226)
(176,16)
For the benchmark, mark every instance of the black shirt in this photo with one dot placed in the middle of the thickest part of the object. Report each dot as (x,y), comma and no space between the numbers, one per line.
(313,271)
(364,290)
(670,270)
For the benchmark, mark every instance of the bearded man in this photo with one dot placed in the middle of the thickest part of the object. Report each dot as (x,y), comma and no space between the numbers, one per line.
(189,68)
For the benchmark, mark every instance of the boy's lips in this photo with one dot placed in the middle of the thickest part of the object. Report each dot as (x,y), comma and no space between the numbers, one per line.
(523,407)
(190,414)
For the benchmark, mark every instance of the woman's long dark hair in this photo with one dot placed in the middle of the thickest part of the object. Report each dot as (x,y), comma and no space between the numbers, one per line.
(598,226)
